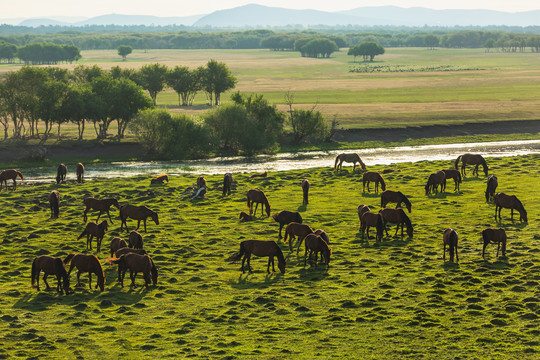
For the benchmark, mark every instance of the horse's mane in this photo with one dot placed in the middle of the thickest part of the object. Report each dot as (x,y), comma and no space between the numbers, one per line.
(406,219)
(279,253)
(102,274)
(20,174)
(404,199)
(519,205)
(68,258)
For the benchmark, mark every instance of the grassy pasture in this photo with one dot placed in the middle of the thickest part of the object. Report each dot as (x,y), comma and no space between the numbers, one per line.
(377,300)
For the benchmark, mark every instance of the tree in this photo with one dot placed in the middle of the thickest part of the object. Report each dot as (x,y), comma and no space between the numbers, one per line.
(8,52)
(431,41)
(368,50)
(152,78)
(185,83)
(124,51)
(216,79)
(490,44)
(319,47)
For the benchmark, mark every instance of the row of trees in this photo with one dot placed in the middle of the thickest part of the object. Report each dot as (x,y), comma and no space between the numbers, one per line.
(39,53)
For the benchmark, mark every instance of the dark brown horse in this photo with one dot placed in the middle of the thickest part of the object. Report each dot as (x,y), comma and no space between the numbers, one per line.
(492,184)
(471,159)
(257,197)
(286,217)
(351,158)
(136,213)
(54,203)
(227,183)
(136,263)
(509,202)
(93,229)
(362,208)
(498,236)
(128,250)
(117,243)
(396,197)
(305,191)
(397,216)
(102,205)
(372,219)
(263,175)
(201,182)
(244,216)
(434,180)
(455,175)
(159,179)
(61,173)
(260,248)
(86,263)
(80,173)
(315,244)
(295,229)
(323,234)
(370,176)
(10,174)
(450,238)
(135,240)
(50,266)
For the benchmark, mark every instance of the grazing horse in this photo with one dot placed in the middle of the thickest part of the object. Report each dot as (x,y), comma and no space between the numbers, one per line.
(323,234)
(244,216)
(263,175)
(117,243)
(135,240)
(350,157)
(136,213)
(136,263)
(372,219)
(227,182)
(89,264)
(50,266)
(128,250)
(509,202)
(257,197)
(93,229)
(286,217)
(305,191)
(54,203)
(159,179)
(450,238)
(362,208)
(61,172)
(491,235)
(10,174)
(260,248)
(201,182)
(453,174)
(80,173)
(370,176)
(103,205)
(471,159)
(397,216)
(492,184)
(316,244)
(434,180)
(299,230)
(397,197)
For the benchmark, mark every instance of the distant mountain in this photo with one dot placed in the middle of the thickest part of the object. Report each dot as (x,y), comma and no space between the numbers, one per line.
(116,19)
(42,22)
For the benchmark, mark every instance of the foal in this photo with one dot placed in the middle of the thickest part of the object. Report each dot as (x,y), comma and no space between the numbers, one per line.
(93,229)
(491,235)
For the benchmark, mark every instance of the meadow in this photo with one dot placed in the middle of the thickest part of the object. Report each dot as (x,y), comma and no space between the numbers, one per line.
(377,300)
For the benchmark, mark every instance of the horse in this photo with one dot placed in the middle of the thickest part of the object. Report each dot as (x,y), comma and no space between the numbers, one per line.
(471,159)
(50,266)
(453,174)
(362,209)
(397,216)
(509,202)
(316,244)
(286,217)
(372,219)
(296,229)
(117,243)
(61,172)
(491,235)
(54,203)
(128,250)
(93,229)
(450,238)
(135,263)
(372,176)
(492,184)
(80,172)
(350,157)
(305,191)
(135,240)
(10,174)
(323,234)
(201,182)
(434,180)
(257,197)
(244,216)
(89,264)
(397,197)
(227,182)
(263,175)
(136,213)
(159,179)
(103,205)
(260,248)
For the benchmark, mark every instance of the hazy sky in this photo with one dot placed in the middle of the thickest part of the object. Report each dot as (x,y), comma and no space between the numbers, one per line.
(90,8)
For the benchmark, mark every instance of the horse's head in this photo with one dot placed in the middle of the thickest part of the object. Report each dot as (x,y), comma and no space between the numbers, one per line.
(154,274)
(326,254)
(282,265)
(485,168)
(66,283)
(104,225)
(410,231)
(155,218)
(115,203)
(268,209)
(427,189)
(523,214)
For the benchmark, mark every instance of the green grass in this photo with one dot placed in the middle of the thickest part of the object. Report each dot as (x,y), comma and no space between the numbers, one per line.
(395,299)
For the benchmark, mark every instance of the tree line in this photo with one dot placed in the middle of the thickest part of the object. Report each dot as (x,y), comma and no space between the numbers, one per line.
(39,53)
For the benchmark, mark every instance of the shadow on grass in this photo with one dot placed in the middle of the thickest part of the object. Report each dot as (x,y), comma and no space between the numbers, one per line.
(244,280)
(371,195)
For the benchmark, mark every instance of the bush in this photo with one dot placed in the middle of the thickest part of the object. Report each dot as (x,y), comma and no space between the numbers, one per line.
(308,125)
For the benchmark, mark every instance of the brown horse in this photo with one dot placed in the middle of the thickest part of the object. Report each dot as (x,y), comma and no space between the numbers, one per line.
(350,157)
(137,213)
(54,203)
(492,184)
(305,191)
(257,197)
(509,202)
(227,183)
(372,219)
(455,175)
(50,266)
(61,173)
(159,179)
(244,216)
(315,244)
(128,250)
(89,264)
(201,181)
(397,197)
(136,263)
(103,205)
(471,159)
(10,174)
(370,176)
(135,240)
(117,243)
(362,208)
(286,217)
(80,172)
(263,175)
(498,236)
(397,216)
(298,230)
(260,248)
(323,234)
(434,180)
(450,238)
(93,229)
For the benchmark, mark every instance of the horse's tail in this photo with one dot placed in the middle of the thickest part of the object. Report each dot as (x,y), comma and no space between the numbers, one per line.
(34,271)
(20,175)
(456,163)
(286,234)
(237,256)
(459,177)
(115,260)
(335,164)
(68,258)
(82,234)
